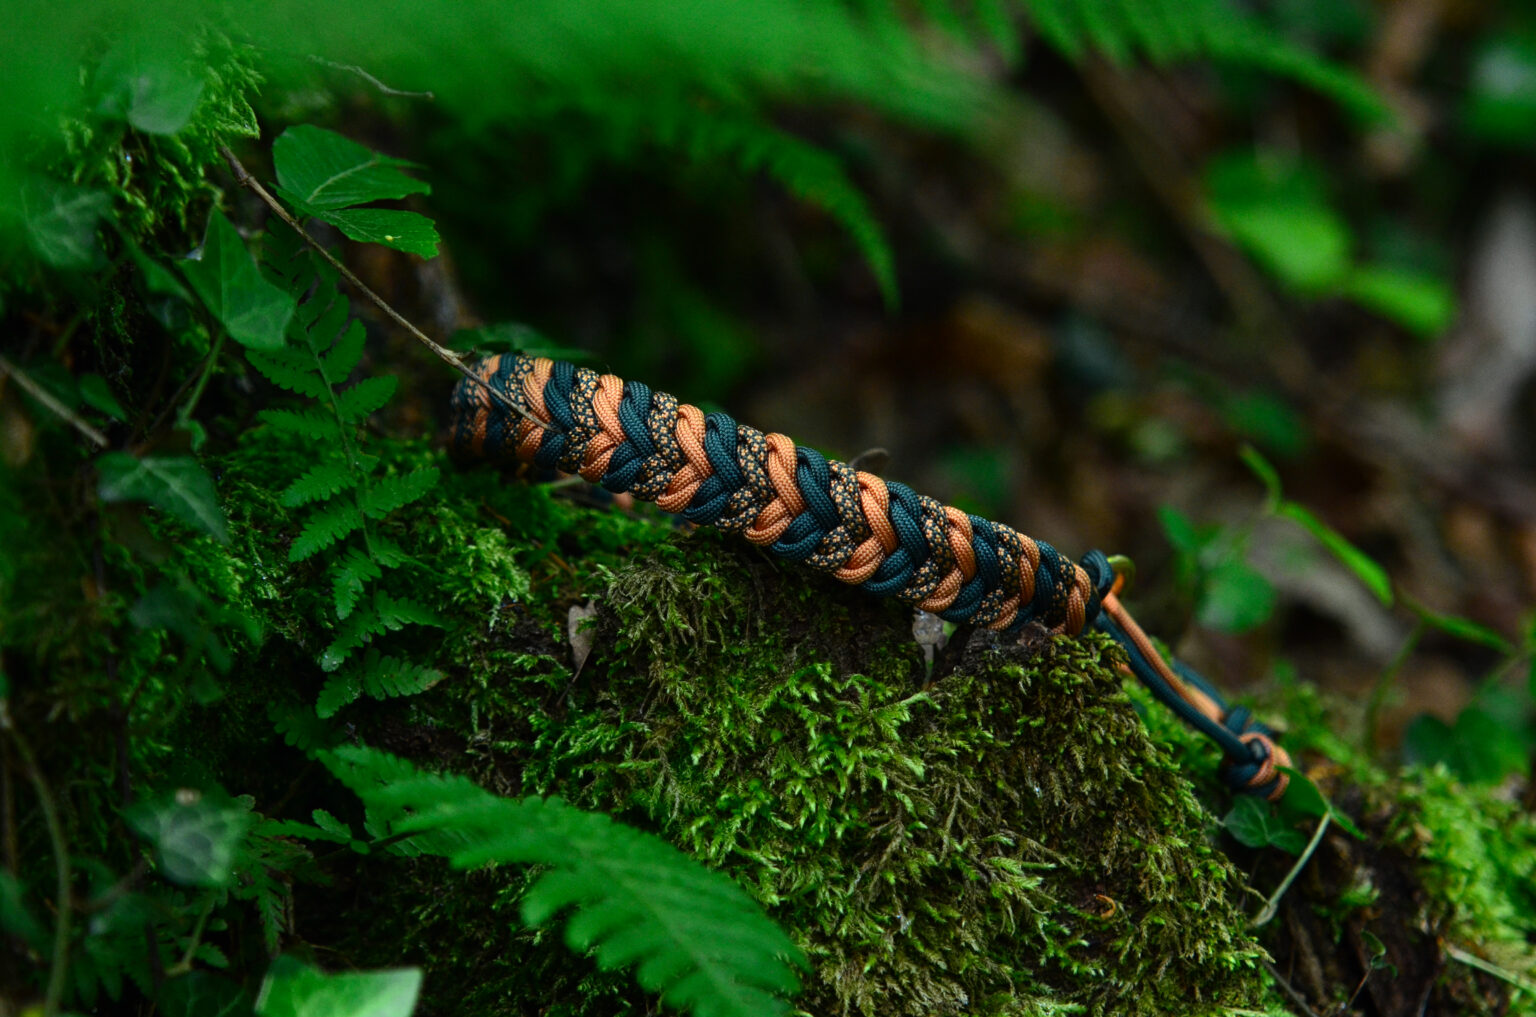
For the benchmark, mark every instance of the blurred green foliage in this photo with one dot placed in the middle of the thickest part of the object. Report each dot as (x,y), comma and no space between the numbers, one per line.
(252,570)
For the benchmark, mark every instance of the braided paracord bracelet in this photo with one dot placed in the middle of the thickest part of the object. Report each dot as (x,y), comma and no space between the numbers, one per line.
(878,535)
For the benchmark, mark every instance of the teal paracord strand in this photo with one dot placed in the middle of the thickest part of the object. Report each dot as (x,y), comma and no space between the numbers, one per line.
(878,535)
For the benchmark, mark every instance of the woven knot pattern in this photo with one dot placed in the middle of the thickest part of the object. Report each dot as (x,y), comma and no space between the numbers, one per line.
(792,500)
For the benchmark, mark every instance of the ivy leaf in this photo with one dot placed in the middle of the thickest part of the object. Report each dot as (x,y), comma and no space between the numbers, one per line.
(255,312)
(176,484)
(148,86)
(293,989)
(95,393)
(1304,798)
(61,221)
(196,835)
(404,231)
(321,170)
(1236,598)
(201,994)
(1254,824)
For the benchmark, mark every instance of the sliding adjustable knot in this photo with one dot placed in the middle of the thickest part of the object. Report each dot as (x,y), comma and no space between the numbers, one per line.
(1254,770)
(796,503)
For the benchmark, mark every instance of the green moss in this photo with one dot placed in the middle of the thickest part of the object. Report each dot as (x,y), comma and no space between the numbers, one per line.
(941,850)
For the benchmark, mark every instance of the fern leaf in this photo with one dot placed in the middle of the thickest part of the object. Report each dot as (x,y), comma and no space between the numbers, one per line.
(1220,30)
(324,528)
(311,423)
(289,369)
(694,935)
(347,351)
(368,395)
(385,614)
(388,553)
(348,578)
(340,689)
(803,169)
(1107,29)
(1056,23)
(394,492)
(397,612)
(358,628)
(386,677)
(299,727)
(319,483)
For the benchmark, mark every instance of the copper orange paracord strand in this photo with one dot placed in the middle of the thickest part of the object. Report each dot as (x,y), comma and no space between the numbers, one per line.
(791,500)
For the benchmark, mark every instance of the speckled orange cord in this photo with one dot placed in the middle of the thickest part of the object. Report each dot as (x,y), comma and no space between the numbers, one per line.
(883,537)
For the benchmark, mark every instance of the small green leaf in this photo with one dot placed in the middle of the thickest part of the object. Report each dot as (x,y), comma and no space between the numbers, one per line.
(255,312)
(1253,823)
(1357,561)
(1305,798)
(1306,247)
(196,835)
(1262,469)
(61,221)
(176,484)
(1479,748)
(15,917)
(1275,207)
(293,989)
(148,85)
(1236,598)
(322,170)
(1423,304)
(202,994)
(94,393)
(1461,628)
(411,232)
(1501,90)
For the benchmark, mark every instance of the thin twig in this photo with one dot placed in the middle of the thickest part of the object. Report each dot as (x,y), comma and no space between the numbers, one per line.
(62,903)
(244,178)
(375,82)
(1273,903)
(1472,960)
(1289,989)
(45,397)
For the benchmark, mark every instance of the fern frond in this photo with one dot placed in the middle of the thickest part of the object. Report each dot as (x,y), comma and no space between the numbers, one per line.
(377,676)
(398,612)
(341,688)
(389,554)
(391,493)
(388,677)
(355,403)
(384,614)
(692,934)
(311,423)
(319,483)
(806,171)
(299,727)
(1172,30)
(358,628)
(324,528)
(347,351)
(289,369)
(348,577)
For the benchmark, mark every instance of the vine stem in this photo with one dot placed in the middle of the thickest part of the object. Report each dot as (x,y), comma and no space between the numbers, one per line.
(60,966)
(245,179)
(45,397)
